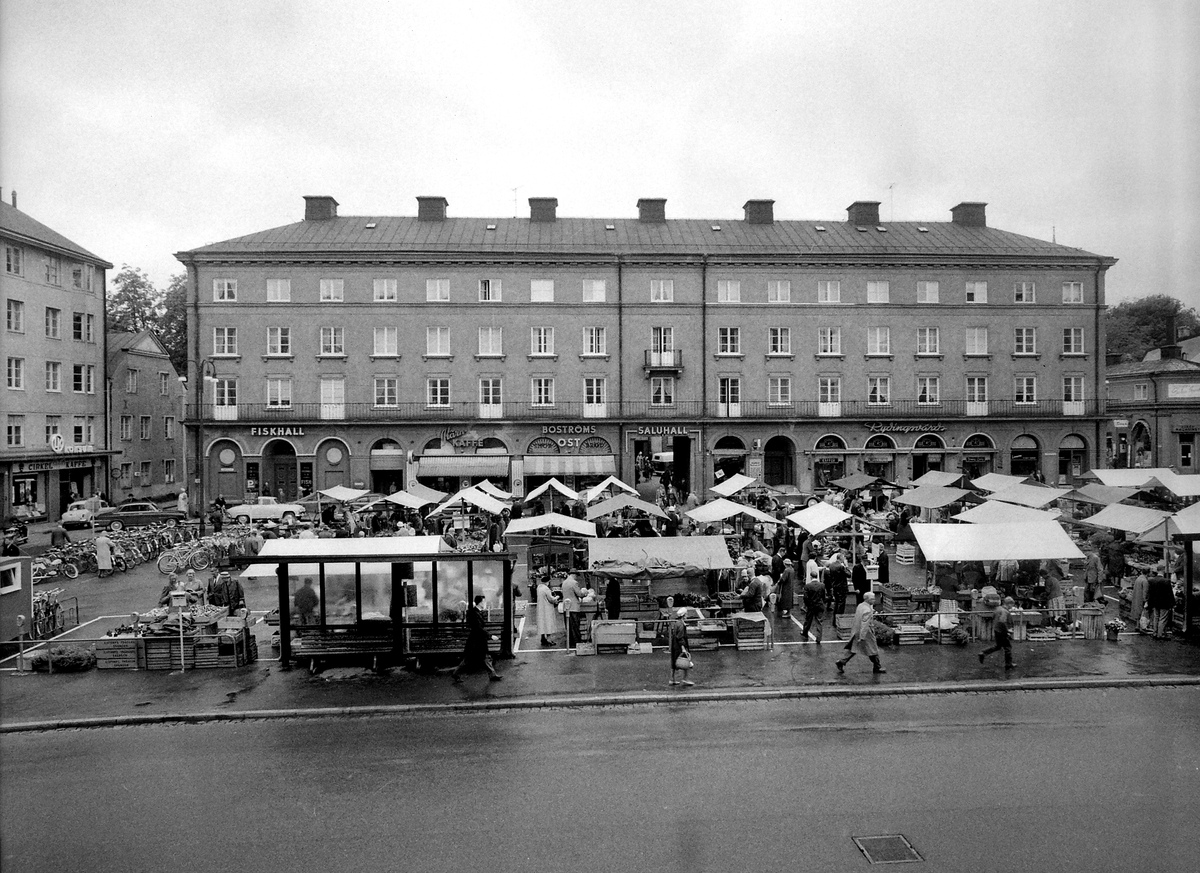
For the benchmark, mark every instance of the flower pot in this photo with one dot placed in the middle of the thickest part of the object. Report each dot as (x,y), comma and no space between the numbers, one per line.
(1111,635)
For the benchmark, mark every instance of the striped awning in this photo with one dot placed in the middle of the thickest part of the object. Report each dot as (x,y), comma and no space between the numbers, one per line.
(570,465)
(463,465)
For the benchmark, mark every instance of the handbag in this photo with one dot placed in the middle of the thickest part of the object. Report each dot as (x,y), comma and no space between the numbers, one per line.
(684,661)
(559,607)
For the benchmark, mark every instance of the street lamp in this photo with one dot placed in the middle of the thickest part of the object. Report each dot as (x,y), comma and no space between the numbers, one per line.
(208,373)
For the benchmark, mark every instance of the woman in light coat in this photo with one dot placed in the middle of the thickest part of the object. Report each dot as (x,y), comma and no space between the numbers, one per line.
(104,546)
(548,619)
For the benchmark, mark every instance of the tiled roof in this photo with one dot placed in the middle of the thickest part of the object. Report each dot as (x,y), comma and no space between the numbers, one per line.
(16,223)
(351,234)
(1150,368)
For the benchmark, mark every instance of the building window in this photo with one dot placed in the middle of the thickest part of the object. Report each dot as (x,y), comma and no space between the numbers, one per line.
(169,470)
(53,427)
(927,292)
(14,311)
(77,326)
(126,427)
(878,292)
(225,393)
(977,341)
(279,392)
(131,381)
(541,391)
(491,391)
(929,390)
(437,342)
(224,290)
(1141,391)
(1025,341)
(729,392)
(729,291)
(279,341)
(437,391)
(387,391)
(779,291)
(662,390)
(977,389)
(879,390)
(662,291)
(83,327)
(1187,448)
(83,428)
(976,292)
(829,341)
(1024,292)
(1025,389)
(83,378)
(1072,388)
(779,340)
(279,290)
(144,427)
(164,384)
(541,341)
(491,342)
(333,341)
(333,290)
(595,390)
(662,345)
(1072,292)
(52,270)
(53,323)
(386,342)
(879,340)
(54,376)
(333,397)
(225,341)
(1072,340)
(169,427)
(384,290)
(489,290)
(144,475)
(14,435)
(729,341)
(77,277)
(928,341)
(127,475)
(437,290)
(779,390)
(829,292)
(16,374)
(594,290)
(541,290)
(829,389)
(595,341)
(12,260)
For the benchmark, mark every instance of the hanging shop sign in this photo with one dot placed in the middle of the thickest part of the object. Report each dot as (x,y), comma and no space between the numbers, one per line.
(1181,391)
(1186,427)
(276,431)
(899,427)
(661,430)
(1120,422)
(462,439)
(565,429)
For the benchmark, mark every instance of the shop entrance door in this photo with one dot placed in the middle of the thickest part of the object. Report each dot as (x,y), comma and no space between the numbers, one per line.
(284,480)
(681,463)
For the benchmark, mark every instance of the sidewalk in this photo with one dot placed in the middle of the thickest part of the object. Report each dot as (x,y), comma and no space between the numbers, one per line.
(542,678)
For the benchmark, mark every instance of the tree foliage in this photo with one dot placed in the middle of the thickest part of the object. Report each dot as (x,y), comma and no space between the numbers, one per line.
(172,327)
(1134,327)
(134,303)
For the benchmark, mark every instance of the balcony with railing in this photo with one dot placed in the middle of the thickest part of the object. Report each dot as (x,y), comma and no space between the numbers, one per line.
(665,361)
(298,413)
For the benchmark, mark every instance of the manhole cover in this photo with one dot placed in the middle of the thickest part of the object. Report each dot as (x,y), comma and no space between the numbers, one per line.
(888,849)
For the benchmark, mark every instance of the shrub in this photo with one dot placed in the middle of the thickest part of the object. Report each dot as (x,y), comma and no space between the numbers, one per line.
(67,659)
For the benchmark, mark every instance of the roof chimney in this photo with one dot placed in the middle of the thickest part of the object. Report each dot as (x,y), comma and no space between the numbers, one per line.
(863,212)
(14,198)
(652,209)
(1171,352)
(431,208)
(1111,359)
(543,208)
(319,207)
(969,214)
(760,211)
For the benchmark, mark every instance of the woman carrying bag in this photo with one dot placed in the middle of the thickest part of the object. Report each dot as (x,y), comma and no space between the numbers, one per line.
(681,659)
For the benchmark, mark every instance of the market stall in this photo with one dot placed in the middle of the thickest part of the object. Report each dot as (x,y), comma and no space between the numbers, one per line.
(468,515)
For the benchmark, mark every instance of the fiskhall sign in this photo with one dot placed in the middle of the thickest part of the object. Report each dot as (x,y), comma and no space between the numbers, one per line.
(276,431)
(899,427)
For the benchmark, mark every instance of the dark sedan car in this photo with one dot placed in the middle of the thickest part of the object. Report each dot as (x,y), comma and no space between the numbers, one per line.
(137,513)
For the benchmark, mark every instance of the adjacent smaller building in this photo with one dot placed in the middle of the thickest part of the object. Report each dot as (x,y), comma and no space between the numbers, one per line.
(1154,406)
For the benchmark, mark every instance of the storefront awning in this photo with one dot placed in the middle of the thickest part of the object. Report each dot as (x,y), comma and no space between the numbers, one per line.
(569,465)
(464,465)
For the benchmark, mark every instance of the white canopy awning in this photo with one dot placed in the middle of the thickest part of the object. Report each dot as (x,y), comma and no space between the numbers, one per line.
(995,542)
(931,496)
(400,498)
(621,501)
(1100,495)
(494,490)
(557,486)
(429,495)
(474,497)
(999,512)
(945,478)
(1132,477)
(610,482)
(721,508)
(818,517)
(733,485)
(996,481)
(1134,519)
(1029,495)
(342,494)
(550,519)
(341,554)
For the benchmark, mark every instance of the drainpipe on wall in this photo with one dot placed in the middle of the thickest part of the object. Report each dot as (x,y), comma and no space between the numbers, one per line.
(620,365)
(703,455)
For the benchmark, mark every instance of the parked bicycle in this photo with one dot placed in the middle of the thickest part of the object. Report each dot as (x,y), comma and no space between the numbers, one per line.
(48,617)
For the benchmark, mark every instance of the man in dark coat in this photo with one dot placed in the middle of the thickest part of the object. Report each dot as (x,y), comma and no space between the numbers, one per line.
(787,588)
(226,591)
(858,579)
(1160,600)
(814,607)
(837,577)
(476,650)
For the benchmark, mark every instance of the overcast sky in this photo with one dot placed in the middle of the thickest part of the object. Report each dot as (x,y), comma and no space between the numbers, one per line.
(139,129)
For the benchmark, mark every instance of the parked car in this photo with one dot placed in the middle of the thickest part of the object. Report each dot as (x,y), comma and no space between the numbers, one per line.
(659,461)
(137,513)
(265,509)
(79,514)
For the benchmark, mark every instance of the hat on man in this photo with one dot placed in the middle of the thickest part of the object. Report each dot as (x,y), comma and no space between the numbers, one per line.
(787,562)
(681,612)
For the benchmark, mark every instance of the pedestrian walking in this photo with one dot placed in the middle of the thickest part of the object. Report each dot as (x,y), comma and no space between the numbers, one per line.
(681,658)
(1000,624)
(104,554)
(1160,600)
(862,636)
(814,607)
(549,623)
(787,588)
(475,652)
(1093,577)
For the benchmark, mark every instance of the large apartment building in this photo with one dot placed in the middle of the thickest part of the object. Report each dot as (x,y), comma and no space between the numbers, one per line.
(378,350)
(55,434)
